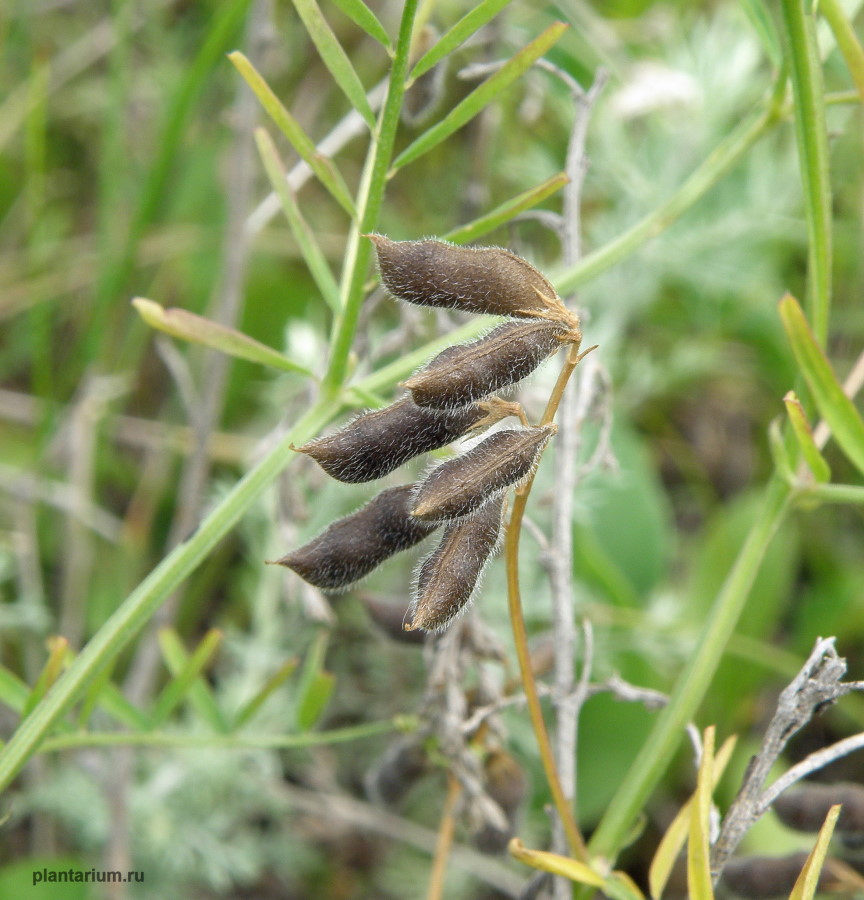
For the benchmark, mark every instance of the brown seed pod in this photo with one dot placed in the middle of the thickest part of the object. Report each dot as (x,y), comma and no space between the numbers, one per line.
(505,782)
(447,578)
(474,279)
(391,618)
(503,356)
(805,808)
(463,484)
(352,547)
(374,444)
(760,877)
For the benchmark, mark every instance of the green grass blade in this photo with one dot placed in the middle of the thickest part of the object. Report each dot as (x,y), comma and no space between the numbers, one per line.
(482,95)
(804,435)
(834,493)
(323,167)
(502,214)
(335,58)
(111,700)
(276,680)
(361,15)
(811,134)
(808,881)
(763,25)
(698,851)
(847,41)
(303,234)
(226,20)
(186,670)
(780,453)
(181,323)
(315,686)
(834,406)
(13,691)
(57,650)
(469,23)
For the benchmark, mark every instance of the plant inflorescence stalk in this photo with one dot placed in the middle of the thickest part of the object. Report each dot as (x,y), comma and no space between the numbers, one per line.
(520,634)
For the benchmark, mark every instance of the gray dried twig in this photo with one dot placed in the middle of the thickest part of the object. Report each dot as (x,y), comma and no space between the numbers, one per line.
(816,686)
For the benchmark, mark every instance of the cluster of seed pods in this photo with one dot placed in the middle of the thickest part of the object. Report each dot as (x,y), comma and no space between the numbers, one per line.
(449,397)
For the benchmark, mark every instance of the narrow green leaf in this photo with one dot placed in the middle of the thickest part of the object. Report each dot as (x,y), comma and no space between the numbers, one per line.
(762,23)
(834,406)
(186,670)
(502,214)
(180,323)
(361,15)
(811,134)
(469,23)
(698,854)
(13,691)
(557,865)
(112,701)
(321,165)
(315,684)
(808,880)
(57,649)
(91,697)
(250,708)
(482,95)
(314,700)
(676,834)
(804,435)
(303,234)
(335,58)
(847,41)
(780,452)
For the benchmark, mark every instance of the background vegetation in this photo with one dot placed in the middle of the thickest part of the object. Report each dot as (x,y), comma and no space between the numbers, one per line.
(128,167)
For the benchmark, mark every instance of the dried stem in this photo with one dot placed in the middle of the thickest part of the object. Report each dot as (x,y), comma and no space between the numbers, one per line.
(445,840)
(520,635)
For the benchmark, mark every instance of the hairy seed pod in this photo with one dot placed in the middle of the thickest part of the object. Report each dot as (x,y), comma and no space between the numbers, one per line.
(463,484)
(447,578)
(760,877)
(805,808)
(376,443)
(504,356)
(352,547)
(474,279)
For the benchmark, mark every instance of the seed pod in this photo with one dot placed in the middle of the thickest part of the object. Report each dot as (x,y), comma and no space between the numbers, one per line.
(376,443)
(504,356)
(463,484)
(805,808)
(505,782)
(352,547)
(474,279)
(760,877)
(446,579)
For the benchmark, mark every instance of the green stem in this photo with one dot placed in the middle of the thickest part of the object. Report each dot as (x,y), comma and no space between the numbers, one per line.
(220,741)
(657,752)
(805,71)
(724,157)
(140,605)
(371,195)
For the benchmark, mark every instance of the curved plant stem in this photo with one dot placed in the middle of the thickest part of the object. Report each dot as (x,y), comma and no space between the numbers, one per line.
(445,840)
(520,634)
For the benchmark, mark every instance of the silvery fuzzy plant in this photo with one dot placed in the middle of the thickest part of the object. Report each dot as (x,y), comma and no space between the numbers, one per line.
(451,396)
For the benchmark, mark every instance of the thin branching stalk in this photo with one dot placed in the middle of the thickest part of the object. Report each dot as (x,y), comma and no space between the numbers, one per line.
(520,634)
